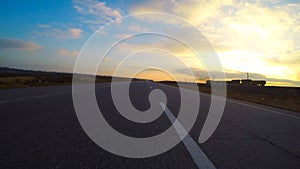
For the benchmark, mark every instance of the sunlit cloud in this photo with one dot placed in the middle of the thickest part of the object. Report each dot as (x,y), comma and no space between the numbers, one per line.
(75,33)
(69,33)
(122,36)
(152,6)
(96,13)
(137,28)
(248,36)
(64,52)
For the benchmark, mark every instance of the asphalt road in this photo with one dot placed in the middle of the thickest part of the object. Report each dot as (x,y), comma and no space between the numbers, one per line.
(39,129)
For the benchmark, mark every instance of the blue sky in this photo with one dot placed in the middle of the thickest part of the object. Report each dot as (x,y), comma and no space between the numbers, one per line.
(257,36)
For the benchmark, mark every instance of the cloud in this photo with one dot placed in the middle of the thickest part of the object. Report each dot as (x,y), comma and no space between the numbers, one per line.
(96,13)
(260,31)
(191,10)
(75,33)
(122,36)
(258,35)
(69,33)
(18,44)
(282,82)
(107,59)
(43,25)
(202,76)
(228,74)
(137,6)
(64,52)
(137,28)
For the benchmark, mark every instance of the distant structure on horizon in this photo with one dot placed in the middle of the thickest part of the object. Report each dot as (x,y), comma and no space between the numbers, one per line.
(238,82)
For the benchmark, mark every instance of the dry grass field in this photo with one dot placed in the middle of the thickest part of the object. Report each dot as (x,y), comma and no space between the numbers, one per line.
(284,101)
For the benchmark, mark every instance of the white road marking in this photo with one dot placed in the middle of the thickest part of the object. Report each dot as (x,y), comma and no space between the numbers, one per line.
(199,157)
(273,111)
(149,84)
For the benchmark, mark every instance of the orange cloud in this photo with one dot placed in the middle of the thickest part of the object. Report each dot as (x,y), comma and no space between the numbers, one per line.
(64,52)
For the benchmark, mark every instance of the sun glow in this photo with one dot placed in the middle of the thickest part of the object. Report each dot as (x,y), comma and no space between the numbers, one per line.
(250,61)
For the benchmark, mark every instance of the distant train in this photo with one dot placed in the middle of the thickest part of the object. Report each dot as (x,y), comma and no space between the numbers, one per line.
(244,82)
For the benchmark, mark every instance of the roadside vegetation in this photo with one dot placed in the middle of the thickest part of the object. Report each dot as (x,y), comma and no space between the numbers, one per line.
(17,78)
(280,97)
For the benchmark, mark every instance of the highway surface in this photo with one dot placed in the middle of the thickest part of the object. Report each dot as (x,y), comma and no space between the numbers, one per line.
(39,129)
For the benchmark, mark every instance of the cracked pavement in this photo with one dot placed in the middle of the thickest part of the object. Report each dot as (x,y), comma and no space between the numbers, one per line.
(43,132)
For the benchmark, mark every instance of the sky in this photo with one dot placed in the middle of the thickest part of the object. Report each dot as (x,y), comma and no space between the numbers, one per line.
(256,36)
